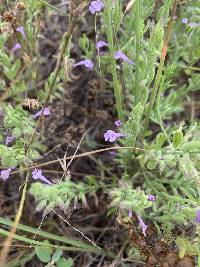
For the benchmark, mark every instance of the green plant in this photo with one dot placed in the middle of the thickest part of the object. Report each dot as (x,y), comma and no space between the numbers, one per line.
(151,61)
(46,255)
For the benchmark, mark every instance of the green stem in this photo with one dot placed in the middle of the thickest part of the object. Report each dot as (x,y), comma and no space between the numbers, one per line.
(116,83)
(137,49)
(198,260)
(160,67)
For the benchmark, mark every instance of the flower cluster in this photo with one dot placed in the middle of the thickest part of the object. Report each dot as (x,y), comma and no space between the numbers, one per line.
(96,6)
(17,46)
(118,55)
(190,24)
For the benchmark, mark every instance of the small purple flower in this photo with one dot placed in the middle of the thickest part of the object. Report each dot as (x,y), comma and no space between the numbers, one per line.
(121,55)
(37,175)
(184,20)
(96,6)
(16,47)
(130,214)
(21,30)
(86,62)
(143,225)
(111,136)
(46,112)
(9,139)
(118,123)
(193,24)
(151,198)
(5,174)
(197,219)
(101,44)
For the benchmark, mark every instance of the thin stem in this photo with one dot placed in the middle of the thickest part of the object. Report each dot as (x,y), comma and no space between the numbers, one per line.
(116,83)
(76,229)
(137,49)
(79,156)
(53,7)
(198,260)
(64,47)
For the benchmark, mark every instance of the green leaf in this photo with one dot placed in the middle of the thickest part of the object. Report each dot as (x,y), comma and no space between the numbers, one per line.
(56,255)
(163,12)
(191,146)
(160,140)
(43,253)
(177,138)
(65,263)
(151,165)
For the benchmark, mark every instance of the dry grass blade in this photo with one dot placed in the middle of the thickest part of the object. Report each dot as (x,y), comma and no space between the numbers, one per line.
(9,239)
(129,5)
(77,230)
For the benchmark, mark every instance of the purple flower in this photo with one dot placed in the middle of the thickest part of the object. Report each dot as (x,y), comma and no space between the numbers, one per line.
(101,44)
(21,30)
(46,112)
(197,219)
(130,214)
(16,47)
(111,136)
(118,123)
(193,24)
(9,139)
(86,62)
(190,24)
(143,225)
(5,174)
(185,20)
(151,198)
(96,6)
(37,175)
(121,55)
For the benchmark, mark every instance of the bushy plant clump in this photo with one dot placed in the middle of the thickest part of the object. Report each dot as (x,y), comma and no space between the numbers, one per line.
(142,51)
